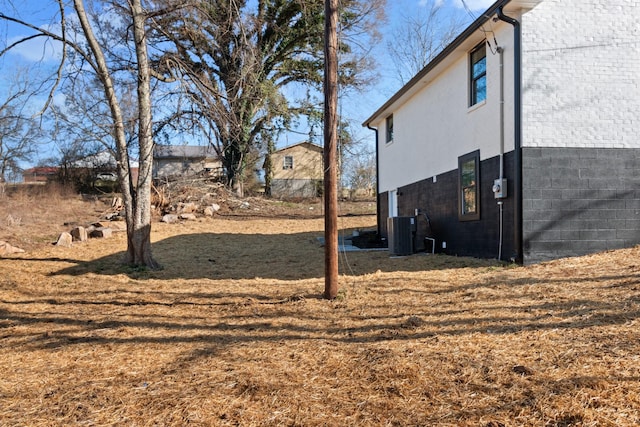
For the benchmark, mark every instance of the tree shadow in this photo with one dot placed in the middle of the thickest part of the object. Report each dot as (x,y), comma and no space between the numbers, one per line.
(296,256)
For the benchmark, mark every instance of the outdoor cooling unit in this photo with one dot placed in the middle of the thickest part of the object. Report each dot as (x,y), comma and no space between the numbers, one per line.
(401,231)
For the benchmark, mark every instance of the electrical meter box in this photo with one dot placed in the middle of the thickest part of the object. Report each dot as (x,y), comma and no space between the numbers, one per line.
(500,188)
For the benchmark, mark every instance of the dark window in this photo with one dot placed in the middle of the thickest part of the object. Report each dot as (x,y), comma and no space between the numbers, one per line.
(288,162)
(478,73)
(390,128)
(469,186)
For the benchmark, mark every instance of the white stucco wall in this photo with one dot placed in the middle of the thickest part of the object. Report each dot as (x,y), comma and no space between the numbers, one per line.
(581,74)
(436,126)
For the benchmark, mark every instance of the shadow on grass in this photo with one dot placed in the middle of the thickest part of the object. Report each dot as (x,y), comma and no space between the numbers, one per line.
(247,256)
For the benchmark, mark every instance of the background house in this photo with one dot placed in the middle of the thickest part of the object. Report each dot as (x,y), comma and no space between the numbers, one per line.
(297,171)
(170,161)
(526,151)
(97,171)
(40,174)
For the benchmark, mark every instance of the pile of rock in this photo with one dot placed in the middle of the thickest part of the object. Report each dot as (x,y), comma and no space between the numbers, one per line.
(187,211)
(97,230)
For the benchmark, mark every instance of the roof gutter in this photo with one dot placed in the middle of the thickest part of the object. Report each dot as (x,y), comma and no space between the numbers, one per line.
(517,112)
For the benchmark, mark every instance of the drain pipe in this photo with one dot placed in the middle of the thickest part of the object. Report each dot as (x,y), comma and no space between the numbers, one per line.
(501,177)
(377,182)
(517,111)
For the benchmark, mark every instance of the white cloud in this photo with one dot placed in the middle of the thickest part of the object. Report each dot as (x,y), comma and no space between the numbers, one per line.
(437,3)
(37,49)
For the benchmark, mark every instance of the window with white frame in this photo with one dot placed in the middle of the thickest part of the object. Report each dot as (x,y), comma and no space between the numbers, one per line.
(478,74)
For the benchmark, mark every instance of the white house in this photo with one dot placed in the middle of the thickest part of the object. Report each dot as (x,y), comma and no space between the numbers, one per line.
(521,140)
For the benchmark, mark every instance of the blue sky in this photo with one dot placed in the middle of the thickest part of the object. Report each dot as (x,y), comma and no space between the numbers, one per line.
(356,107)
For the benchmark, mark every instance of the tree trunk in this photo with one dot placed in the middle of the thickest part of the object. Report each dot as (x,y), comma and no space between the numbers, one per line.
(268,167)
(330,150)
(139,235)
(136,198)
(139,247)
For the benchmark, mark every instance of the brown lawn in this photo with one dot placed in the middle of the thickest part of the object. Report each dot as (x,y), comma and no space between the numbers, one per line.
(233,332)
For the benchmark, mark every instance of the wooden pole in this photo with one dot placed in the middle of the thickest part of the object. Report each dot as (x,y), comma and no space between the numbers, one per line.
(330,149)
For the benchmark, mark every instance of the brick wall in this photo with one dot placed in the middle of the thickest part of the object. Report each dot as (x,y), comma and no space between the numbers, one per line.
(581,79)
(439,201)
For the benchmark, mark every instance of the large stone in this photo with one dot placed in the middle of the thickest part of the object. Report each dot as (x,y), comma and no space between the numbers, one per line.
(101,232)
(65,239)
(6,249)
(79,234)
(210,210)
(170,218)
(188,207)
(188,216)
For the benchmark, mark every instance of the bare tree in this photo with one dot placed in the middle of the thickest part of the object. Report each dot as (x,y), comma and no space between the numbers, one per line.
(90,53)
(360,175)
(419,37)
(19,131)
(237,57)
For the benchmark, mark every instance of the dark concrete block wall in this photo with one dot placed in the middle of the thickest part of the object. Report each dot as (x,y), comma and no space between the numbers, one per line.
(439,201)
(578,201)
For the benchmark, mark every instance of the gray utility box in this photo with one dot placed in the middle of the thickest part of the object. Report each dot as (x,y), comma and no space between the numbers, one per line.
(401,231)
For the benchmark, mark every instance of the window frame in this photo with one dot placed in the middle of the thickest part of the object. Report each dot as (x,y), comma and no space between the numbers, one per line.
(463,214)
(474,78)
(287,165)
(389,128)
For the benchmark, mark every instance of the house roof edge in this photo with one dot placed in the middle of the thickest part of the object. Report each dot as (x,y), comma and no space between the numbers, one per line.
(313,144)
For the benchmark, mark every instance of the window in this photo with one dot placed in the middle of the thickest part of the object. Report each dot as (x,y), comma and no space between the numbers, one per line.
(390,128)
(478,73)
(468,186)
(288,162)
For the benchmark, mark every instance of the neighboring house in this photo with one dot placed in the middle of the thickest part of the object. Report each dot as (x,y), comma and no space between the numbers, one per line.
(40,174)
(297,171)
(170,161)
(554,170)
(102,166)
(101,161)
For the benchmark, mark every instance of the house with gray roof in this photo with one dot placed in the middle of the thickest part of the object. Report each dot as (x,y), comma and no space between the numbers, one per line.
(173,161)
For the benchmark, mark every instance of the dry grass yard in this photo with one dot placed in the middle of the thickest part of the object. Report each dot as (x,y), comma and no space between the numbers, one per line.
(234,332)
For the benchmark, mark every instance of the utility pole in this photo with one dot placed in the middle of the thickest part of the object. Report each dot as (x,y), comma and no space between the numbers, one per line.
(330,149)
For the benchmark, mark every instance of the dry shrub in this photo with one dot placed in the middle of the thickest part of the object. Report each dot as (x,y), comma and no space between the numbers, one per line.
(233,332)
(31,215)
